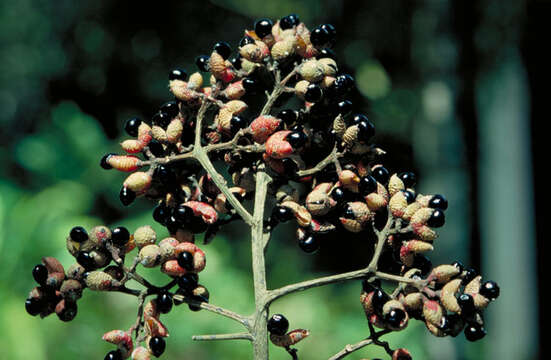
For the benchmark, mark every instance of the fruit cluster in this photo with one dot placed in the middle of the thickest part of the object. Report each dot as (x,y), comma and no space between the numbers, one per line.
(325,174)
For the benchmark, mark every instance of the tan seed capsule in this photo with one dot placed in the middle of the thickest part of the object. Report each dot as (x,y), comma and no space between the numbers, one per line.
(349,180)
(421,216)
(283,49)
(414,301)
(150,256)
(395,305)
(75,271)
(145,235)
(195,81)
(174,131)
(287,193)
(141,353)
(350,136)
(327,82)
(312,71)
(100,281)
(217,64)
(425,233)
(234,90)
(181,91)
(253,52)
(126,163)
(412,247)
(444,273)
(167,247)
(122,339)
(159,133)
(378,200)
(434,329)
(223,120)
(398,204)
(366,299)
(301,87)
(55,279)
(154,327)
(289,339)
(138,182)
(433,312)
(52,265)
(319,203)
(248,66)
(262,127)
(339,126)
(150,310)
(99,235)
(473,286)
(235,106)
(132,146)
(480,301)
(410,210)
(395,184)
(329,66)
(447,296)
(172,268)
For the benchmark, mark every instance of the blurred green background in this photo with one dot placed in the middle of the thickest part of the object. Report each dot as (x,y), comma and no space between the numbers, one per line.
(453,88)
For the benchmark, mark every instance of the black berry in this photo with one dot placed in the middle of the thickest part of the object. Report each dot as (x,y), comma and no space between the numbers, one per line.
(177,74)
(309,243)
(344,107)
(297,139)
(246,40)
(327,53)
(157,345)
(313,93)
(287,22)
(84,259)
(323,36)
(250,85)
(282,213)
(185,260)
(161,119)
(69,312)
(236,62)
(223,49)
(131,126)
(170,108)
(202,62)
(381,174)
(34,306)
(40,274)
(288,116)
(454,324)
(466,303)
(422,263)
(156,148)
(237,123)
(183,214)
(127,196)
(469,275)
(395,317)
(490,290)
(367,185)
(113,355)
(263,27)
(78,234)
(120,235)
(438,202)
(104,161)
(164,302)
(378,300)
(161,214)
(188,282)
(474,332)
(437,219)
(410,196)
(408,178)
(278,324)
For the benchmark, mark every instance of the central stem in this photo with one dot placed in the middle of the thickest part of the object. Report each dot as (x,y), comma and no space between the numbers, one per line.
(259,240)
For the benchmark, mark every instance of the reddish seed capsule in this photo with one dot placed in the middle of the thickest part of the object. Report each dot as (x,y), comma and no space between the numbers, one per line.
(264,126)
(277,147)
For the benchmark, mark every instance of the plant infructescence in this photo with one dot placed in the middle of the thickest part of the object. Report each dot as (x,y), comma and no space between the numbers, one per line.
(274,116)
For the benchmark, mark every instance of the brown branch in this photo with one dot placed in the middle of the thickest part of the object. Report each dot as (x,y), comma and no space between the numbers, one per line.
(235,336)
(331,158)
(215,309)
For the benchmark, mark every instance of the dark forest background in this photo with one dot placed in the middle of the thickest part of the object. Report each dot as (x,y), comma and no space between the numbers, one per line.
(456,90)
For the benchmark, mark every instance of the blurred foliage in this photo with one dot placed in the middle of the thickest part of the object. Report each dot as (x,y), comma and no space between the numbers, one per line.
(74,71)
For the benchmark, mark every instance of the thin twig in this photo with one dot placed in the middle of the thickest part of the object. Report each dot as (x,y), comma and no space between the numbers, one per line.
(331,158)
(235,336)
(214,308)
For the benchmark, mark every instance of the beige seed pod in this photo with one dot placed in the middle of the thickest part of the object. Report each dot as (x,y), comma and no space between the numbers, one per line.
(138,182)
(122,339)
(181,91)
(217,64)
(141,353)
(302,215)
(223,120)
(248,66)
(327,81)
(159,133)
(444,273)
(132,146)
(252,52)
(377,200)
(349,180)
(236,106)
(473,286)
(154,327)
(174,130)
(413,301)
(339,126)
(167,247)
(410,210)
(395,184)
(350,136)
(289,339)
(283,49)
(434,329)
(145,235)
(329,66)
(150,310)
(52,265)
(234,90)
(99,235)
(480,301)
(366,299)
(447,296)
(55,279)
(72,246)
(300,88)
(421,216)
(433,312)
(398,204)
(319,203)
(425,233)
(150,256)
(172,268)
(311,71)
(412,247)
(123,162)
(195,81)
(100,281)
(75,271)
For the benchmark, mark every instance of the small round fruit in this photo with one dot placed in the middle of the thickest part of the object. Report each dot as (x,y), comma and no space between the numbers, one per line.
(459,265)
(237,123)
(381,174)
(367,130)
(395,317)
(313,93)
(338,194)
(288,116)
(113,355)
(236,62)
(466,303)
(183,214)
(177,74)
(157,345)
(410,196)
(408,178)
(263,27)
(309,243)
(297,139)
(320,37)
(246,40)
(278,324)
(223,49)
(156,148)
(161,214)
(161,119)
(202,62)
(250,85)
(327,53)
(438,202)
(282,213)
(164,302)
(131,126)
(469,275)
(367,185)
(490,290)
(170,108)
(188,281)
(474,332)
(378,300)
(342,84)
(84,259)
(127,196)
(422,263)
(344,107)
(437,219)
(78,234)
(34,306)
(69,312)
(120,236)
(40,274)
(185,260)
(287,22)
